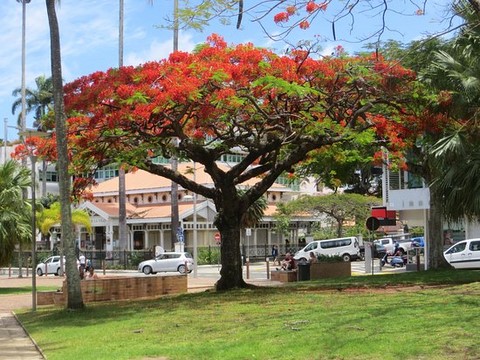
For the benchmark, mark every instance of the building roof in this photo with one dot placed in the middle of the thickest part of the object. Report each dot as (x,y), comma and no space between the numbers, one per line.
(141,181)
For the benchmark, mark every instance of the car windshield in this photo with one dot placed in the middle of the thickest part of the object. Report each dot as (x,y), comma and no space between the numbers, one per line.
(188,256)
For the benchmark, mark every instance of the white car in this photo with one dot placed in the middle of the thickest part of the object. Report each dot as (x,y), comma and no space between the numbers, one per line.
(464,254)
(50,266)
(168,262)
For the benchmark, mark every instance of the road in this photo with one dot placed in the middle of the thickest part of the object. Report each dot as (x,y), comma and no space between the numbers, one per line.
(255,271)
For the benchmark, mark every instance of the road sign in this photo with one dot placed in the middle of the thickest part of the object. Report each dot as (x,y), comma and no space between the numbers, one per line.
(248,231)
(373,223)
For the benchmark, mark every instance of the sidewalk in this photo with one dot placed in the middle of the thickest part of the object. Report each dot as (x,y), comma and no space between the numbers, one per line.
(15,343)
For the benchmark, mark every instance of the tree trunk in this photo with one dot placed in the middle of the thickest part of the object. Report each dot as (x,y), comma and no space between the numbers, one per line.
(436,259)
(74,292)
(229,225)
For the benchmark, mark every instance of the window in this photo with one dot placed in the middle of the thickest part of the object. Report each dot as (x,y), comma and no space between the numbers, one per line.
(107,172)
(335,243)
(311,246)
(457,248)
(475,246)
(50,176)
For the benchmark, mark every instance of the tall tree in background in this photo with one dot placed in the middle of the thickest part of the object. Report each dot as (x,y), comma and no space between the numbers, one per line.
(339,208)
(456,72)
(74,293)
(227,100)
(40,101)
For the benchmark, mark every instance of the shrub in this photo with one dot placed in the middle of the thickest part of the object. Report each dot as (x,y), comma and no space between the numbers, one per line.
(208,255)
(329,258)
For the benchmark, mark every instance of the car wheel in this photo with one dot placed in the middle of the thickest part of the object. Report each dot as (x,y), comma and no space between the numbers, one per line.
(58,272)
(147,270)
(182,269)
(361,256)
(346,257)
(39,272)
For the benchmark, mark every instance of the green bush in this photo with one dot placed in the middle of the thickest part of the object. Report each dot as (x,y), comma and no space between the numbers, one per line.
(135,258)
(209,255)
(329,258)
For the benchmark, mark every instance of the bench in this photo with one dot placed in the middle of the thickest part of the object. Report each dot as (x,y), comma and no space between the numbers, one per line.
(283,275)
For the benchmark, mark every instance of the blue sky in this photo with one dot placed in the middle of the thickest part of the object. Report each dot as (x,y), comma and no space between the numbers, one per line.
(89,37)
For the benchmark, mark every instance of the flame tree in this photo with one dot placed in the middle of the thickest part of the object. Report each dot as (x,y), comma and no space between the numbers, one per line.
(274,110)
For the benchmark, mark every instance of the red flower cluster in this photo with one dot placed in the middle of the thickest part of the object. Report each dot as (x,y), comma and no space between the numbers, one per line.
(281,17)
(312,7)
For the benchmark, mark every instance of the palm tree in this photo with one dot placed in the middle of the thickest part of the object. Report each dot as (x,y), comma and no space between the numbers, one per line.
(39,100)
(51,216)
(457,154)
(75,300)
(15,211)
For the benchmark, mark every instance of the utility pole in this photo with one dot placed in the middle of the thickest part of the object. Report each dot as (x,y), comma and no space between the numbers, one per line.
(174,160)
(23,127)
(122,207)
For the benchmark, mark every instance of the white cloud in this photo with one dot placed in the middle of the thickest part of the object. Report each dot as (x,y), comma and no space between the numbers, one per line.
(160,50)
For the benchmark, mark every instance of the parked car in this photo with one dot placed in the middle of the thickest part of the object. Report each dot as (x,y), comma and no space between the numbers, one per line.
(379,251)
(50,266)
(346,247)
(464,254)
(168,262)
(404,245)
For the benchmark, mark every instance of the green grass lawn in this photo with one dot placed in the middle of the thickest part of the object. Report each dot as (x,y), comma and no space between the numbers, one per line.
(24,289)
(361,317)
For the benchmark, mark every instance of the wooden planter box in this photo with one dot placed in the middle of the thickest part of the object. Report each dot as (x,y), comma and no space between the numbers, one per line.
(283,276)
(330,270)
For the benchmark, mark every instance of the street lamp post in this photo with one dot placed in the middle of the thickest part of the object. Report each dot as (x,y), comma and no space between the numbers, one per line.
(33,160)
(195,239)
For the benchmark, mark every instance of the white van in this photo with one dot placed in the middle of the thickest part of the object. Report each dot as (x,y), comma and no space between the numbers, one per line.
(464,254)
(347,247)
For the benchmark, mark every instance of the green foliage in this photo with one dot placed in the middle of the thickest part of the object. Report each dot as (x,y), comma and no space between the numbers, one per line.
(335,209)
(51,216)
(208,255)
(15,211)
(417,231)
(135,258)
(254,212)
(329,258)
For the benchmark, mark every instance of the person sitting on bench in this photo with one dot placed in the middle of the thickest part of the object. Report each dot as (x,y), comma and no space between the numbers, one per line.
(289,262)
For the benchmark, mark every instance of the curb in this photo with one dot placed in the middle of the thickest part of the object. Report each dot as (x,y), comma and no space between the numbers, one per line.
(28,334)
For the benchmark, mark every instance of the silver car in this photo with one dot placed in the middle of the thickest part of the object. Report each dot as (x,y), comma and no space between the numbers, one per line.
(50,266)
(168,262)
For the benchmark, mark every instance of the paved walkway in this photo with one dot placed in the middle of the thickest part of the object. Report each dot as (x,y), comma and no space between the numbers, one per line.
(15,343)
